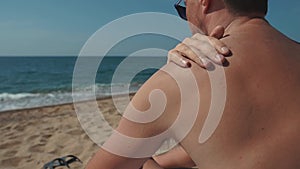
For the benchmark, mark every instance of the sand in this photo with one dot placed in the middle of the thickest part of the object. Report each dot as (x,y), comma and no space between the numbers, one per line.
(30,138)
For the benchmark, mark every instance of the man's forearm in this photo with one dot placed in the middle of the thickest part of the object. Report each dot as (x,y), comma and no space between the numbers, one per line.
(151,164)
(177,157)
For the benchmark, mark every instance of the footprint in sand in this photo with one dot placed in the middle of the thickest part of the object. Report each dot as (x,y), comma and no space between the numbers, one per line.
(37,148)
(19,128)
(11,162)
(12,136)
(10,153)
(46,136)
(10,144)
(44,139)
(30,138)
(75,132)
(7,128)
(8,134)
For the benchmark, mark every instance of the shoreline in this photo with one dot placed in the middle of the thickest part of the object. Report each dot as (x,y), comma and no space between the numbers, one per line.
(67,103)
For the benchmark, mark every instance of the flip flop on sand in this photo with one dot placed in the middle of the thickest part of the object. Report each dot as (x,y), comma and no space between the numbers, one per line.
(63,161)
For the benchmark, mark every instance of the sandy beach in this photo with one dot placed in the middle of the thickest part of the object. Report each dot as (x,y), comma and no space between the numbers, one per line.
(32,137)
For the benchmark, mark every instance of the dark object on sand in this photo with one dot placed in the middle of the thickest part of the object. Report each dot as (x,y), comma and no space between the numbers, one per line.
(63,161)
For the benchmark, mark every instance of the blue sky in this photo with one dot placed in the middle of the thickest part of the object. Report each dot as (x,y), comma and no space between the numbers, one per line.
(61,27)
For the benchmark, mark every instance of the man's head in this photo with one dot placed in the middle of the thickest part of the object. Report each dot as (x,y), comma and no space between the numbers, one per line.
(247,7)
(200,12)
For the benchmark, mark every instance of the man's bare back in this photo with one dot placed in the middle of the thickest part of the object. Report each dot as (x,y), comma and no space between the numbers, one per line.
(260,125)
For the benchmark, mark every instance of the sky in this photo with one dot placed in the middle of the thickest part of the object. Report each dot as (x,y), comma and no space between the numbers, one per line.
(61,27)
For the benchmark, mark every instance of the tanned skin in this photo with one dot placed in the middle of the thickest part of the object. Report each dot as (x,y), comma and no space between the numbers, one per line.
(260,124)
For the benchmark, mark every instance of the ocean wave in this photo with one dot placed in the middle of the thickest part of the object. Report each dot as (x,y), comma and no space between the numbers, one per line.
(9,96)
(11,101)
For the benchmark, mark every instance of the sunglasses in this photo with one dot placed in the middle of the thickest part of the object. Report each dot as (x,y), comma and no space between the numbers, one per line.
(181,10)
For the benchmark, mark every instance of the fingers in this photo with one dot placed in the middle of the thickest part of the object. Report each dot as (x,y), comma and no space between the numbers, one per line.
(200,58)
(187,52)
(203,50)
(218,32)
(184,53)
(175,57)
(219,45)
(216,43)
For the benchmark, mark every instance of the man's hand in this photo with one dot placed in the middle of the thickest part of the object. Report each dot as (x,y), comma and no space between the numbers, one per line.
(201,49)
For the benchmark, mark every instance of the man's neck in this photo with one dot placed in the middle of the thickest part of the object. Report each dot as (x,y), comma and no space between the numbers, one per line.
(225,19)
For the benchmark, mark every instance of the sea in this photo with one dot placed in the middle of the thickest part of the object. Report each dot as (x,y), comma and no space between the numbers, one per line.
(28,82)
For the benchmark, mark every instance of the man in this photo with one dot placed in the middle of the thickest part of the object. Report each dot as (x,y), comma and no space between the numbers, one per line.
(260,125)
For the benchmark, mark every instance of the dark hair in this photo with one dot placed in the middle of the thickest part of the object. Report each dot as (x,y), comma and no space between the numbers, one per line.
(244,7)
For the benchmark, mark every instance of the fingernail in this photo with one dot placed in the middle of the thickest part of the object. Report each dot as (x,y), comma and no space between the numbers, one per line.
(205,62)
(189,64)
(185,63)
(219,57)
(225,49)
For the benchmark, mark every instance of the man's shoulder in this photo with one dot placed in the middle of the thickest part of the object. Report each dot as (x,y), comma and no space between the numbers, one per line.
(161,82)
(173,82)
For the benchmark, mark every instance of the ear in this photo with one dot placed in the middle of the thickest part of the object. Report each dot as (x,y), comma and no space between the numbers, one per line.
(205,5)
